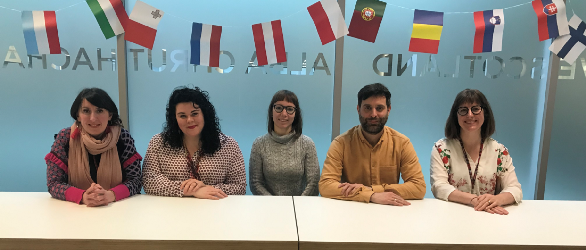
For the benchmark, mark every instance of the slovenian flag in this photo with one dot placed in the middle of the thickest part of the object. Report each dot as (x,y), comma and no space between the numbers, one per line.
(427,31)
(489,30)
(328,20)
(569,47)
(269,43)
(110,15)
(205,44)
(142,24)
(40,32)
(551,18)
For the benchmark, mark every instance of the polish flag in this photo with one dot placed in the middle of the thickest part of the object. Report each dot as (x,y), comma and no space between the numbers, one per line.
(142,26)
(328,19)
(40,32)
(205,44)
(268,40)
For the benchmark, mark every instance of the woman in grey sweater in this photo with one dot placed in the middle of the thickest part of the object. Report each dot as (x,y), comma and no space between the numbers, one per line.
(283,161)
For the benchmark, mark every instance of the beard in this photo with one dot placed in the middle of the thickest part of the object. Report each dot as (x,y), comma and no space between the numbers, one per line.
(373,128)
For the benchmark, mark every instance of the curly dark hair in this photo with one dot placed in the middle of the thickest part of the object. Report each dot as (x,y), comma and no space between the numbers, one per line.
(210,134)
(99,98)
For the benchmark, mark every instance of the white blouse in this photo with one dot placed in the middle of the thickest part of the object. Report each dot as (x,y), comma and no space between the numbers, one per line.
(449,170)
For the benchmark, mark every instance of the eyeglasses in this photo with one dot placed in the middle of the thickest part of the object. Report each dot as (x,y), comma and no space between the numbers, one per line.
(279,108)
(462,111)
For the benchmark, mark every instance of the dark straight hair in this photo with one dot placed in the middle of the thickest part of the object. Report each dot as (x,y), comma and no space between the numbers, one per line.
(288,96)
(375,89)
(470,96)
(99,98)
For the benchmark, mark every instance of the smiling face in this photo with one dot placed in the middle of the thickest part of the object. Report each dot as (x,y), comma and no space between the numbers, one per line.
(471,122)
(283,121)
(373,114)
(94,120)
(189,118)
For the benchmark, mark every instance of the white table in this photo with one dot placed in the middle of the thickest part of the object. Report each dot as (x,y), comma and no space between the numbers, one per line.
(435,224)
(37,221)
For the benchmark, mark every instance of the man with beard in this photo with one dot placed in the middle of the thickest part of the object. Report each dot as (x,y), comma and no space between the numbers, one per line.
(364,163)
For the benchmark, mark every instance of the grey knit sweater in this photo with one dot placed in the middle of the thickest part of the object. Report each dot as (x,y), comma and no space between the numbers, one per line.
(281,166)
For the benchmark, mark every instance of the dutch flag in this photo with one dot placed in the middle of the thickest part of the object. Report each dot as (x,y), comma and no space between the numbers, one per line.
(551,18)
(205,44)
(489,30)
(40,32)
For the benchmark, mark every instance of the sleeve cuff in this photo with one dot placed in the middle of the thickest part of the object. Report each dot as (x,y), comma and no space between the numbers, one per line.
(74,194)
(121,192)
(365,195)
(378,188)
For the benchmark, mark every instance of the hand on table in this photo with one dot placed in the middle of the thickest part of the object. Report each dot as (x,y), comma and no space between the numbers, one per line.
(488,203)
(190,186)
(96,196)
(209,192)
(389,198)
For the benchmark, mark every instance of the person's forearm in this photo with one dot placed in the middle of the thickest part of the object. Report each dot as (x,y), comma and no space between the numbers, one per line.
(461,197)
(506,198)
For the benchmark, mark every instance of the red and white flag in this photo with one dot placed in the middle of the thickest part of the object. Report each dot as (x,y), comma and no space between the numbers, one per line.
(328,19)
(142,26)
(268,40)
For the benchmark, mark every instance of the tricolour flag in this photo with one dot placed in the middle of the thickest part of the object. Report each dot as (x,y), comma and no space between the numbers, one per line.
(40,32)
(427,31)
(269,44)
(366,19)
(489,30)
(205,44)
(328,19)
(142,25)
(110,15)
(551,18)
(569,47)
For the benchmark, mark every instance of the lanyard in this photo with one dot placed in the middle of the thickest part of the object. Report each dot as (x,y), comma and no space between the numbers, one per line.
(472,177)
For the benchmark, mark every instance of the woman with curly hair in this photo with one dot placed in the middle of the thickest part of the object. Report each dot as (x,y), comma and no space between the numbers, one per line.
(192,157)
(470,167)
(94,161)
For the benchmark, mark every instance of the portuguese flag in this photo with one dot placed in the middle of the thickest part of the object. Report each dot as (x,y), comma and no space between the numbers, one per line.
(366,19)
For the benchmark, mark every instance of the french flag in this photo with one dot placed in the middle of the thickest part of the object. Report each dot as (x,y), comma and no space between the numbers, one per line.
(489,30)
(268,40)
(205,44)
(551,18)
(40,32)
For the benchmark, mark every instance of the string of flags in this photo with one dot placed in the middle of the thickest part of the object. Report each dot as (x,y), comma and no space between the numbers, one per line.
(140,27)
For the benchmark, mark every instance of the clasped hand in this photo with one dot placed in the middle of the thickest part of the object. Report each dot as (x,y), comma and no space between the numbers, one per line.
(489,203)
(196,188)
(96,196)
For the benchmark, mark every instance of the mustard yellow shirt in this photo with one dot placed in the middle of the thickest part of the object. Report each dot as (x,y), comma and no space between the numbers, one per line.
(352,159)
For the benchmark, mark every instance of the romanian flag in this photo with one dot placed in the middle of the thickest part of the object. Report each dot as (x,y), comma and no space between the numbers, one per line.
(366,19)
(427,30)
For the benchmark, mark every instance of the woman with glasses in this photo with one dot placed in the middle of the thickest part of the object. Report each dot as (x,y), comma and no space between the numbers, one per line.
(284,161)
(192,157)
(470,167)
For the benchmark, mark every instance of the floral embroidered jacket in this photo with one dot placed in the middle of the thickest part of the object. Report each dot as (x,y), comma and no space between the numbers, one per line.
(449,170)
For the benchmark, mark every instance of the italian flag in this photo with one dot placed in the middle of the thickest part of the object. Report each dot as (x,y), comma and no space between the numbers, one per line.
(366,19)
(110,15)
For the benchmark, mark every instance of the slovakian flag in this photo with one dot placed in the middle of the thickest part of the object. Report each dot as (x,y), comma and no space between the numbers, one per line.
(40,32)
(205,44)
(142,25)
(569,47)
(489,30)
(110,15)
(366,19)
(269,43)
(328,20)
(551,18)
(427,31)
